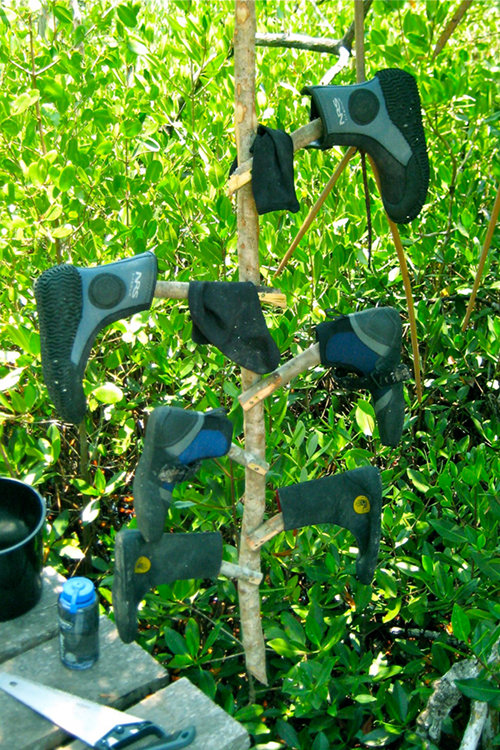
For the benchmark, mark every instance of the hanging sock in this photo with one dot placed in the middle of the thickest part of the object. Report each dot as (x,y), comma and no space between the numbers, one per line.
(368,343)
(352,500)
(176,442)
(141,565)
(73,305)
(382,117)
(228,314)
(272,171)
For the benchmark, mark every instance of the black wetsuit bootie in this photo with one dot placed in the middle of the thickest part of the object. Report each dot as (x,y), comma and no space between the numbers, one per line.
(176,441)
(141,565)
(73,305)
(352,500)
(383,118)
(368,343)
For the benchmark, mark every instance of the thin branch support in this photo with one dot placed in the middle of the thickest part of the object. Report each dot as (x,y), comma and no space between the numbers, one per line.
(249,270)
(281,376)
(266,531)
(451,26)
(244,458)
(408,292)
(482,260)
(314,210)
(242,573)
(359,36)
(180,290)
(300,41)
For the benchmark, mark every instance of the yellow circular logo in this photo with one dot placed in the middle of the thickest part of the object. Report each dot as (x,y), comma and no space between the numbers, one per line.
(362,504)
(142,565)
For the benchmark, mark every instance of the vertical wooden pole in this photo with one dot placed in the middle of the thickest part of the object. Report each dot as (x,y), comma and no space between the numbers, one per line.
(248,265)
(359,39)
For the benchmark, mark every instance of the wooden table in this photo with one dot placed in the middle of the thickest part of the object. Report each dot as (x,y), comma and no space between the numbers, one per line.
(125,677)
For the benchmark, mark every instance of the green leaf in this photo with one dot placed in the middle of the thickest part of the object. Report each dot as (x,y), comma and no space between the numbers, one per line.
(283,647)
(460,623)
(418,480)
(192,637)
(174,641)
(365,698)
(288,733)
(365,417)
(128,15)
(109,393)
(480,690)
(67,177)
(22,102)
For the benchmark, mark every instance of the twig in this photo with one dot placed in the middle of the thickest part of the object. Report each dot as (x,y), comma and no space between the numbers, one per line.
(244,458)
(451,26)
(482,260)
(242,573)
(314,210)
(408,292)
(265,531)
(300,41)
(248,266)
(264,387)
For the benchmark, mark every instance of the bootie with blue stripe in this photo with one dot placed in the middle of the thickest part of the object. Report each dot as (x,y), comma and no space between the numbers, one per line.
(176,442)
(364,350)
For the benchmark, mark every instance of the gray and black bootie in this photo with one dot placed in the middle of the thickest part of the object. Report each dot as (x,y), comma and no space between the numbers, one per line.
(73,305)
(141,565)
(368,344)
(383,118)
(352,500)
(176,442)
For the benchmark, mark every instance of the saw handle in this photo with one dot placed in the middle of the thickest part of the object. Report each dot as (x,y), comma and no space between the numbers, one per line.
(124,735)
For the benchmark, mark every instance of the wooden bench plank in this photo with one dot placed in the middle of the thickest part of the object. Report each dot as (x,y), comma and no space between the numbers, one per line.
(37,625)
(123,675)
(182,704)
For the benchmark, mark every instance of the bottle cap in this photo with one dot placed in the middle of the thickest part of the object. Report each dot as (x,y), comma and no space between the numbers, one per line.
(78,592)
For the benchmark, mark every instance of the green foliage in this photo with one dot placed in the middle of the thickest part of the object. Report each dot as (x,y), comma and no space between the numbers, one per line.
(120,141)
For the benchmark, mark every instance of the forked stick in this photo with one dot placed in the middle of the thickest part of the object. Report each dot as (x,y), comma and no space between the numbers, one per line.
(281,376)
(180,290)
(265,531)
(482,260)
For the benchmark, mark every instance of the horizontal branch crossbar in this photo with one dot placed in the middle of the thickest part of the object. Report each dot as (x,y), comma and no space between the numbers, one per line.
(300,41)
(281,376)
(180,290)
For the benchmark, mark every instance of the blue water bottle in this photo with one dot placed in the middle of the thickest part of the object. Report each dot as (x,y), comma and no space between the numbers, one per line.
(78,611)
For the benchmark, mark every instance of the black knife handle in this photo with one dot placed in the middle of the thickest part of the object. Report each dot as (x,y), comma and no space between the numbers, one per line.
(126,734)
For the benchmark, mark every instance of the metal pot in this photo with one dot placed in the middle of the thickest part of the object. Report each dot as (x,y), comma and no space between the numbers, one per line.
(22,517)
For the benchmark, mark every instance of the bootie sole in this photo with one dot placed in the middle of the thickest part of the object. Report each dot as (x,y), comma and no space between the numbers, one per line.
(59,299)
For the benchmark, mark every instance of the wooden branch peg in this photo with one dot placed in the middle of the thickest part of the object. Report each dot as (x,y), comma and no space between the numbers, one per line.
(265,532)
(244,458)
(242,573)
(264,387)
(180,290)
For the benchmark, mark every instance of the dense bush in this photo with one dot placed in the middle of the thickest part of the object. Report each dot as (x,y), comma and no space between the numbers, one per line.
(116,136)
